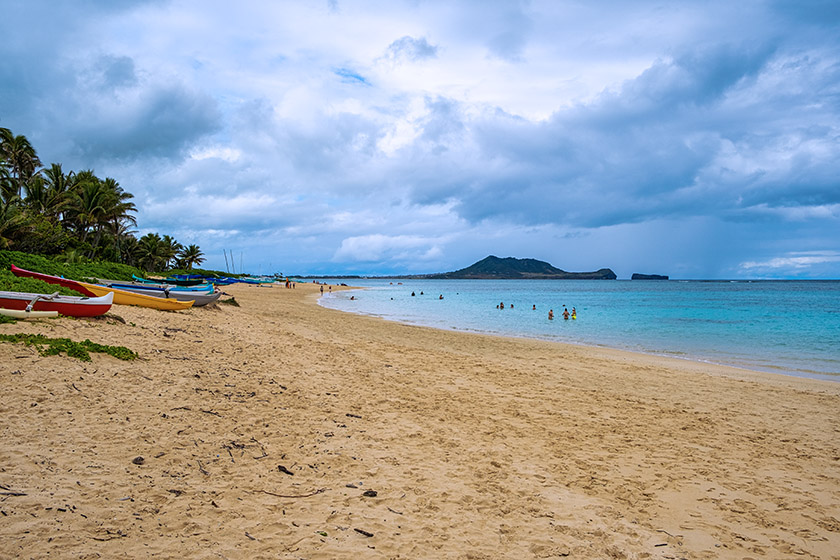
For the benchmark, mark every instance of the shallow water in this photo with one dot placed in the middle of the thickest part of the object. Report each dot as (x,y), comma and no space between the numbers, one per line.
(788,327)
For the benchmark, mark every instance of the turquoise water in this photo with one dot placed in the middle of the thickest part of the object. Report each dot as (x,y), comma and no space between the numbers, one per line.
(790,327)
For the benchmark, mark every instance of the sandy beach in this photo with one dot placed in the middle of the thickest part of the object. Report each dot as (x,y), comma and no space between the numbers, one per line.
(279,429)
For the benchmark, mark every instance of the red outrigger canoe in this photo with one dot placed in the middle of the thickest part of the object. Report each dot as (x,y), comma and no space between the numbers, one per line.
(72,306)
(49,279)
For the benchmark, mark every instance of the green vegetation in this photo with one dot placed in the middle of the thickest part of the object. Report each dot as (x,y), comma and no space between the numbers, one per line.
(53,346)
(75,216)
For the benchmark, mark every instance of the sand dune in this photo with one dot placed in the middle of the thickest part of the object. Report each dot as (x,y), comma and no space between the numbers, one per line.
(279,429)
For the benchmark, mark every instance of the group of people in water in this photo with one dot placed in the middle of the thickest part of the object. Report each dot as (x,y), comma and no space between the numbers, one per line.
(566,314)
(421,293)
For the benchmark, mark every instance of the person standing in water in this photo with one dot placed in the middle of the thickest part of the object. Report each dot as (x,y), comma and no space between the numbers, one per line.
(550,314)
(565,313)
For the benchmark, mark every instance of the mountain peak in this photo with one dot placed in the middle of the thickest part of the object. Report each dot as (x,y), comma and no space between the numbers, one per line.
(493,267)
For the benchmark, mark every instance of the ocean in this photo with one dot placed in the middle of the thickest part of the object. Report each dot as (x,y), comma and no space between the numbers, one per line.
(789,327)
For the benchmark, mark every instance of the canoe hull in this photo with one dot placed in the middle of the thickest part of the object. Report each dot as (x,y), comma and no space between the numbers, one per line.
(198,298)
(124,297)
(65,282)
(125,285)
(71,306)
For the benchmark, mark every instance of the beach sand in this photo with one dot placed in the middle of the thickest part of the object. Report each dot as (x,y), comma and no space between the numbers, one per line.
(279,429)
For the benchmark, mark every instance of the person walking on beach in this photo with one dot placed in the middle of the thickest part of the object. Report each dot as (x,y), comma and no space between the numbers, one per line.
(322,289)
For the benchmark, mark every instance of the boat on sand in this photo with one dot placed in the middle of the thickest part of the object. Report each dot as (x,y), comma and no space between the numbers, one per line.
(50,279)
(71,306)
(125,297)
(199,298)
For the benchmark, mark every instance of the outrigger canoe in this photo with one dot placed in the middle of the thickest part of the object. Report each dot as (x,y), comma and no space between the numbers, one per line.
(200,288)
(72,306)
(199,298)
(173,281)
(58,281)
(124,297)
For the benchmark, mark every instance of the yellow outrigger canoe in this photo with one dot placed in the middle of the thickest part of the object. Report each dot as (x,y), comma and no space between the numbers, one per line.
(124,297)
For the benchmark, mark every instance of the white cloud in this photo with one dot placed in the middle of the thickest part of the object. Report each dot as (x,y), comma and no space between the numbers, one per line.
(376,247)
(224,153)
(794,261)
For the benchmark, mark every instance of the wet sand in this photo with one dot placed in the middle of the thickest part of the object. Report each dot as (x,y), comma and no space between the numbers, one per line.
(279,429)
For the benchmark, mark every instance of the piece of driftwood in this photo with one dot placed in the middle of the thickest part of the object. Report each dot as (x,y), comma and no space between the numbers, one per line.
(363,532)
(319,491)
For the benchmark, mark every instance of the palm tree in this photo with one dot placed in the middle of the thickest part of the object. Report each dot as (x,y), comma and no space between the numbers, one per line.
(13,223)
(118,211)
(123,239)
(88,207)
(19,156)
(190,256)
(8,188)
(129,249)
(37,193)
(170,249)
(59,186)
(151,252)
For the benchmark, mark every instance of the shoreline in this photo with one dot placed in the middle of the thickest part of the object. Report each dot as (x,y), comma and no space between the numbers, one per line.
(770,370)
(727,370)
(401,441)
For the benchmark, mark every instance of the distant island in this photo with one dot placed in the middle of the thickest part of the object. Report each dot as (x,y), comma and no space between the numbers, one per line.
(510,268)
(638,276)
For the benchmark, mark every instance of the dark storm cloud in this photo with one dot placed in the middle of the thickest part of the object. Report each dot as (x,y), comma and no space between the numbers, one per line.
(98,105)
(162,122)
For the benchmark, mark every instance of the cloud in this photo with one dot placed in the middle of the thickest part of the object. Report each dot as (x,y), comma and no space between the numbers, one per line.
(506,28)
(792,263)
(410,49)
(378,247)
(162,121)
(598,129)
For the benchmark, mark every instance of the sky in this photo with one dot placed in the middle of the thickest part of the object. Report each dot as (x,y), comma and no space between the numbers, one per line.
(694,139)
